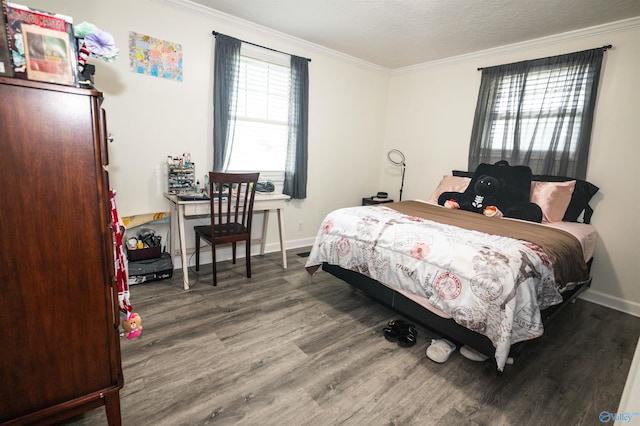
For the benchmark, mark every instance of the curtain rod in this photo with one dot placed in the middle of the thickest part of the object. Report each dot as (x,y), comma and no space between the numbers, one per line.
(215,33)
(604,48)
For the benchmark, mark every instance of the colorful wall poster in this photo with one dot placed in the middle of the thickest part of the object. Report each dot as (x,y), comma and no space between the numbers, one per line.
(152,56)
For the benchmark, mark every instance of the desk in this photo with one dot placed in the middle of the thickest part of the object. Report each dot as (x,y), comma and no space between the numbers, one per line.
(180,210)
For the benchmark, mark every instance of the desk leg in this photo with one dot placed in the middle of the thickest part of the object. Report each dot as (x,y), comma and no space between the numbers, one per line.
(281,232)
(183,247)
(265,225)
(173,221)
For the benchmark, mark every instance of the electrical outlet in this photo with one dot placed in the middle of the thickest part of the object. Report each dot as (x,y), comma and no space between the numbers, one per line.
(300,226)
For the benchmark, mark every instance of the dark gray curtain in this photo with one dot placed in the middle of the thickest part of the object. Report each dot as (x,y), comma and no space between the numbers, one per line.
(538,113)
(295,175)
(226,71)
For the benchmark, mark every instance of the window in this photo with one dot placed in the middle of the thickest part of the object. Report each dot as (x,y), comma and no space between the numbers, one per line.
(261,120)
(541,110)
(260,107)
(538,113)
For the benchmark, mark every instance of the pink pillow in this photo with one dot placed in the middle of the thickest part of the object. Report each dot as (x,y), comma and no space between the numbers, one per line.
(553,198)
(450,184)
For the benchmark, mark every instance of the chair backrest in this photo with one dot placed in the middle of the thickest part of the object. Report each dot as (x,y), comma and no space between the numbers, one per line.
(232,196)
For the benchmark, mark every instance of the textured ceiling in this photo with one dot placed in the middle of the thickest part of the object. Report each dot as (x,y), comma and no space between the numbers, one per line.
(400,33)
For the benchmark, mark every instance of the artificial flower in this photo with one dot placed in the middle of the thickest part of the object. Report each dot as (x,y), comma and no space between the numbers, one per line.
(94,41)
(83,28)
(102,45)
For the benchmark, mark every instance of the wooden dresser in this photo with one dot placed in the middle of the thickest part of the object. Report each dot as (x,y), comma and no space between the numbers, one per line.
(59,339)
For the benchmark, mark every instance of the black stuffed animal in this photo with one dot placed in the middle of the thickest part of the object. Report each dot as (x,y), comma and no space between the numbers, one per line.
(512,198)
(485,194)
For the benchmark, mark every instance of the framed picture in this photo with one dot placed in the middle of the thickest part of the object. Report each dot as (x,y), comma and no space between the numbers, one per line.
(48,55)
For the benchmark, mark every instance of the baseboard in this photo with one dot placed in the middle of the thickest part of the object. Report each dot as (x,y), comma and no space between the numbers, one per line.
(224,253)
(631,308)
(295,244)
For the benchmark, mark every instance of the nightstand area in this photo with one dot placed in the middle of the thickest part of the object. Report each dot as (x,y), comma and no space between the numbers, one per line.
(368,201)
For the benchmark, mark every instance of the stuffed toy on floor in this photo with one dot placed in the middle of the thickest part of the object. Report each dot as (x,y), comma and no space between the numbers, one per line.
(132,326)
(497,190)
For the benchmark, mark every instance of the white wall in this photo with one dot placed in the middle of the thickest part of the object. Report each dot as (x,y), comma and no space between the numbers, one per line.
(151,118)
(357,113)
(430,114)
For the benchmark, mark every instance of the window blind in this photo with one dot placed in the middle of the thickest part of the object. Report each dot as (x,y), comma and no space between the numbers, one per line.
(544,99)
(261,128)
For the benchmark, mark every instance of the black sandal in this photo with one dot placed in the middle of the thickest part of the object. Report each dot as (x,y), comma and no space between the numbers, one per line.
(401,332)
(392,331)
(396,323)
(407,340)
(407,335)
(391,334)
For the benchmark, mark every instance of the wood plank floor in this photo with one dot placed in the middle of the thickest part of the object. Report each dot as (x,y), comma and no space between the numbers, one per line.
(284,348)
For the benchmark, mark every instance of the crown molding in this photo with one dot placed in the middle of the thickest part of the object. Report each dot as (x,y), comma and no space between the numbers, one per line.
(623,25)
(221,17)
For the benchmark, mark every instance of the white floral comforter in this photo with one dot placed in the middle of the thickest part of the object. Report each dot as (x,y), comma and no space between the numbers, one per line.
(491,284)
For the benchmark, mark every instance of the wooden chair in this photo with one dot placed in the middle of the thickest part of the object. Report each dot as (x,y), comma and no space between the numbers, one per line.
(232,196)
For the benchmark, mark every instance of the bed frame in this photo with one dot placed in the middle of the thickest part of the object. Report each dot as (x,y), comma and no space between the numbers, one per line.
(443,327)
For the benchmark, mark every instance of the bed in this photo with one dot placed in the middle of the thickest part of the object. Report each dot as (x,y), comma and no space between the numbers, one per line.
(484,282)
